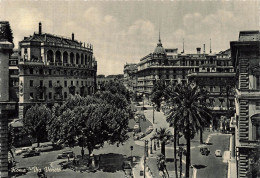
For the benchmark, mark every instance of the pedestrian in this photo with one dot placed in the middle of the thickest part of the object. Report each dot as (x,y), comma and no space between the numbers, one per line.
(68,157)
(82,153)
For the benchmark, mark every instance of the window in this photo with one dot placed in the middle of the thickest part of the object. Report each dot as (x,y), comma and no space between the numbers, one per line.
(211,101)
(31,95)
(77,83)
(50,84)
(65,94)
(81,83)
(31,83)
(71,83)
(41,83)
(50,95)
(50,71)
(41,71)
(25,51)
(211,89)
(257,106)
(58,82)
(65,83)
(257,82)
(31,71)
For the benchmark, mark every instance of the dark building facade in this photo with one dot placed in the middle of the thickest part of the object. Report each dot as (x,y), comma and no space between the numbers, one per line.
(246,60)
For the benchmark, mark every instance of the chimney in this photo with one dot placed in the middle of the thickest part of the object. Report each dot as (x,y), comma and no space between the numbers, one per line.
(72,36)
(198,50)
(204,49)
(40,28)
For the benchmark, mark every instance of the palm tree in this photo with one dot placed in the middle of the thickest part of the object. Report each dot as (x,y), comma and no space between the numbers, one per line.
(189,112)
(161,165)
(163,135)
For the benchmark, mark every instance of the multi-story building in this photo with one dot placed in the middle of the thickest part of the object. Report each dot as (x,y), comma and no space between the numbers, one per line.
(211,70)
(218,78)
(52,67)
(130,76)
(6,107)
(246,61)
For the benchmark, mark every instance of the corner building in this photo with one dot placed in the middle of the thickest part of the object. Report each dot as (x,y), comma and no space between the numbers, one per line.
(209,70)
(246,60)
(52,67)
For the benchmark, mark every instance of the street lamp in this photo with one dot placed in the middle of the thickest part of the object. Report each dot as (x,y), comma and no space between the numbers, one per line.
(151,146)
(131,149)
(153,113)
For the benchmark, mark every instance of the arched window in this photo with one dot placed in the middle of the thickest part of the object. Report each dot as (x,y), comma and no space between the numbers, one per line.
(86,60)
(50,57)
(65,57)
(77,58)
(71,58)
(82,59)
(256,126)
(58,57)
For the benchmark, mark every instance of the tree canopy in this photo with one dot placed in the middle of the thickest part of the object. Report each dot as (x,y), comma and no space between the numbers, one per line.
(35,122)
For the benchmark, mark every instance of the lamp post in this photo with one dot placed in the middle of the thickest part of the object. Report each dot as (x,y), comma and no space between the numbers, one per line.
(131,149)
(143,100)
(153,113)
(151,146)
(154,145)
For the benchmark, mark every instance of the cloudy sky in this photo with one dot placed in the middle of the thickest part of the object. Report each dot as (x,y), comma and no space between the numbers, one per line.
(125,31)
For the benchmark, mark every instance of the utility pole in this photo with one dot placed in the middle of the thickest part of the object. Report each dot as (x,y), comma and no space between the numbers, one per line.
(153,113)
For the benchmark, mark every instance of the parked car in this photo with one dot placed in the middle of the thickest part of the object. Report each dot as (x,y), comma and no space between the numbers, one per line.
(204,151)
(136,128)
(149,130)
(22,150)
(64,154)
(218,153)
(127,168)
(43,148)
(31,153)
(139,136)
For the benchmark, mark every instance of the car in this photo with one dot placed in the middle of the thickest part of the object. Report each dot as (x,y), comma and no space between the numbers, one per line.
(218,153)
(31,153)
(204,151)
(43,148)
(22,150)
(64,154)
(149,130)
(136,128)
(127,168)
(139,136)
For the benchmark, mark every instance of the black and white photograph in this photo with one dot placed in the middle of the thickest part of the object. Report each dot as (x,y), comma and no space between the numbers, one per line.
(129,89)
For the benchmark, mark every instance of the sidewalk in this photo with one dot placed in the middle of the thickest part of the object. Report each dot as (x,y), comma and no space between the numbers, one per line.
(232,169)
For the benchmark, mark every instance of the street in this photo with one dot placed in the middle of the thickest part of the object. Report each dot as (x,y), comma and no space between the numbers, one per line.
(211,166)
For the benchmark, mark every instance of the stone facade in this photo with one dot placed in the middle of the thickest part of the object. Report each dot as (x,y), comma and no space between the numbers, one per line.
(210,70)
(245,59)
(130,76)
(52,68)
(6,48)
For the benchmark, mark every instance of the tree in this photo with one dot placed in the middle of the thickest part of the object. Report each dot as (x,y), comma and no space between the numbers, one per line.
(7,32)
(35,122)
(189,112)
(163,135)
(10,139)
(90,122)
(161,165)
(158,92)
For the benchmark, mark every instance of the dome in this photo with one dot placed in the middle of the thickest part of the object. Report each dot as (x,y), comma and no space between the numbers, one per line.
(159,48)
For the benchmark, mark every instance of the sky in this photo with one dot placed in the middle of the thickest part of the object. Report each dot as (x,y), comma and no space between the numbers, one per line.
(125,31)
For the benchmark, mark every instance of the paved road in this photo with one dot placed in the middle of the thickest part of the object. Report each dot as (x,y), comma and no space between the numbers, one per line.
(214,167)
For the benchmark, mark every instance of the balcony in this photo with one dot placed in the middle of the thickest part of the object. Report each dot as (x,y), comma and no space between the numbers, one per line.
(32,62)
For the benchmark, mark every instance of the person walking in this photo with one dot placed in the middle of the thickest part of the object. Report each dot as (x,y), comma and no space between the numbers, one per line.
(82,153)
